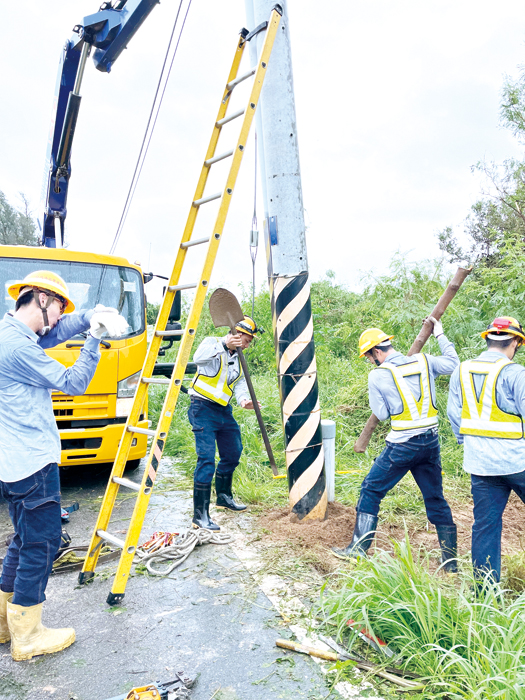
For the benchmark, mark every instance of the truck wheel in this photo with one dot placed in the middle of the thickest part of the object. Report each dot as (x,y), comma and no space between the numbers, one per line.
(132,465)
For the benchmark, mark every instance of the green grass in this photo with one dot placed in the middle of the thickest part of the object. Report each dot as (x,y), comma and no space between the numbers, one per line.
(465,647)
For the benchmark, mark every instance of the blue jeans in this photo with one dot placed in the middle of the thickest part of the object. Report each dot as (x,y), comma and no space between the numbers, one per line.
(490,494)
(34,508)
(214,424)
(420,456)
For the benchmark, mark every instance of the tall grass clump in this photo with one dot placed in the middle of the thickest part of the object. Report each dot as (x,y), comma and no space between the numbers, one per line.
(465,647)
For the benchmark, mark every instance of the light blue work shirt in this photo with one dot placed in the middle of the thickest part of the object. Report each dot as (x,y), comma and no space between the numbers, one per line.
(29,437)
(383,394)
(487,456)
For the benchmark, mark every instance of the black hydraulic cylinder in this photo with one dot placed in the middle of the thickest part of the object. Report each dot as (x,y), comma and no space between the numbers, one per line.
(68,130)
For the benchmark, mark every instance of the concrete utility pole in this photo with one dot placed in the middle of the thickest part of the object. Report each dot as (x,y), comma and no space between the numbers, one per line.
(288,272)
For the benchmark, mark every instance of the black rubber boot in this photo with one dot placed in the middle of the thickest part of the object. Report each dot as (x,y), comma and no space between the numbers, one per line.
(201,504)
(448,541)
(364,531)
(223,486)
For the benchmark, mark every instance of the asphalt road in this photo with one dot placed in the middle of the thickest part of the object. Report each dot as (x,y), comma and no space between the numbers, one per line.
(208,618)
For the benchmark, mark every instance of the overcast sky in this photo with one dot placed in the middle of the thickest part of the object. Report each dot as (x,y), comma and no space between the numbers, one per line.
(395,102)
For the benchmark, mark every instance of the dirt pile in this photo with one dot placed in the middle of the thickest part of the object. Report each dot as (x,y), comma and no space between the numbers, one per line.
(279,525)
(335,531)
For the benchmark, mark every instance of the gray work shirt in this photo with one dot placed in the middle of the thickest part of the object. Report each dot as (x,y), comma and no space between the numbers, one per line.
(384,397)
(29,437)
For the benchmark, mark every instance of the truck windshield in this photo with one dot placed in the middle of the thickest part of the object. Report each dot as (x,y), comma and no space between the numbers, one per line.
(89,284)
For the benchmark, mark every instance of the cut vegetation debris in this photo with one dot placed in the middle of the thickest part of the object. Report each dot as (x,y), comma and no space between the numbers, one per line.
(463,646)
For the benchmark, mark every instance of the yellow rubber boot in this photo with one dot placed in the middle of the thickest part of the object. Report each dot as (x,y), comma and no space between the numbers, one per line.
(5,635)
(29,637)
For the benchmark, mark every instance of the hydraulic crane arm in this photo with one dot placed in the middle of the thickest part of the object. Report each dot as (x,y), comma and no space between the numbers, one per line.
(106,33)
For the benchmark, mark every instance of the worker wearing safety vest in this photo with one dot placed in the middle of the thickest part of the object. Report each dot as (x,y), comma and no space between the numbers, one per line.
(219,376)
(402,389)
(30,446)
(486,407)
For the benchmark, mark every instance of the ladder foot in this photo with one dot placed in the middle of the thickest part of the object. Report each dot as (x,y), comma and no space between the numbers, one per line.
(115,598)
(85,577)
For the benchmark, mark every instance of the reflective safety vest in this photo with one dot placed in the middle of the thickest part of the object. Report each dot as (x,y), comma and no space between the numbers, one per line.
(481,414)
(416,413)
(216,388)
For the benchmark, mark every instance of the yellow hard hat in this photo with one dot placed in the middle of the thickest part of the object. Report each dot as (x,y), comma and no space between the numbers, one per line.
(247,325)
(504,327)
(45,281)
(371,338)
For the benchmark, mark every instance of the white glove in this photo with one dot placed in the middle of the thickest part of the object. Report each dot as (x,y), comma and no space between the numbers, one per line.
(109,321)
(438,327)
(100,307)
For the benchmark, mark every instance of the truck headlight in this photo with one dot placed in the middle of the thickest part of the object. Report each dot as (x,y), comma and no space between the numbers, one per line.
(126,387)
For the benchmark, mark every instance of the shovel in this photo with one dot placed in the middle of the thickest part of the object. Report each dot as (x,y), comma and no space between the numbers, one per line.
(225,310)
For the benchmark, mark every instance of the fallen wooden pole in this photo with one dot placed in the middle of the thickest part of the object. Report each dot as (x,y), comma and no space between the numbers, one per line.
(365,665)
(424,334)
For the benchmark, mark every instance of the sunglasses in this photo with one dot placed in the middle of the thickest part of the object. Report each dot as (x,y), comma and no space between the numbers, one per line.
(61,301)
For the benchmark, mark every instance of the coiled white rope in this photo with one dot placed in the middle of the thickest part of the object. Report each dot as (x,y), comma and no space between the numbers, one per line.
(178,552)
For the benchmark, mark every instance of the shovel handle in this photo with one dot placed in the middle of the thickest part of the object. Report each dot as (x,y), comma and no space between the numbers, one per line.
(262,427)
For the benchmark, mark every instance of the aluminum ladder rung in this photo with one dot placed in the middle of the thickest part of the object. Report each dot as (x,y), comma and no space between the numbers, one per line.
(230,118)
(168,334)
(205,200)
(216,159)
(176,287)
(154,380)
(142,431)
(240,79)
(110,538)
(197,241)
(127,483)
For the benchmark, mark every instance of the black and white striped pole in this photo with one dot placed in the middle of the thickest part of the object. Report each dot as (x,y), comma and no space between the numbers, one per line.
(288,273)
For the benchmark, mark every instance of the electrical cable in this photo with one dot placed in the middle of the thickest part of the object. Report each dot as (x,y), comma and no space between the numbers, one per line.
(147,136)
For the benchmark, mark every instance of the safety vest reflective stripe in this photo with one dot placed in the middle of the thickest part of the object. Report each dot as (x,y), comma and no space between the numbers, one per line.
(415,414)
(482,416)
(216,388)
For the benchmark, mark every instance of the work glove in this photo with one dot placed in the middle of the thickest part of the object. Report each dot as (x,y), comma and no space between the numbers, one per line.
(109,321)
(438,327)
(100,307)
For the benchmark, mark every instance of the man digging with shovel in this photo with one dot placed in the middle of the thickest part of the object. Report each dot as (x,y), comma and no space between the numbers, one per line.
(219,375)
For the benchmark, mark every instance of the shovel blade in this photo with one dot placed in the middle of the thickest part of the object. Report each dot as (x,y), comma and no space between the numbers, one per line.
(225,310)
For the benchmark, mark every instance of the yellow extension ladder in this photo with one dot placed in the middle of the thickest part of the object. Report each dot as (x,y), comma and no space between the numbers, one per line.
(159,435)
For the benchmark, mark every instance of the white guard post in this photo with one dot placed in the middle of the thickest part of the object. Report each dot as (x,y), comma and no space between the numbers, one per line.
(328,432)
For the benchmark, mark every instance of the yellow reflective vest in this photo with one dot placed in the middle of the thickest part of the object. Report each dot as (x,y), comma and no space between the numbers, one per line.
(216,387)
(416,413)
(480,414)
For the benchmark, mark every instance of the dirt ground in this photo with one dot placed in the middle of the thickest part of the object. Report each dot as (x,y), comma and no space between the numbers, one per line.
(336,531)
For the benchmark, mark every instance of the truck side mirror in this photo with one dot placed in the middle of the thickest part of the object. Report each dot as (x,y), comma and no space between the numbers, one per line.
(175,311)
(175,308)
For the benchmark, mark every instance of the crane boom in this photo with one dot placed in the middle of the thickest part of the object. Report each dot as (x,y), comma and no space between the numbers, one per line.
(108,32)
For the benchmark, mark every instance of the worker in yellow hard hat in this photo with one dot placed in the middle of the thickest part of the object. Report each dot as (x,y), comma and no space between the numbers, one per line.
(486,407)
(30,446)
(219,376)
(402,389)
